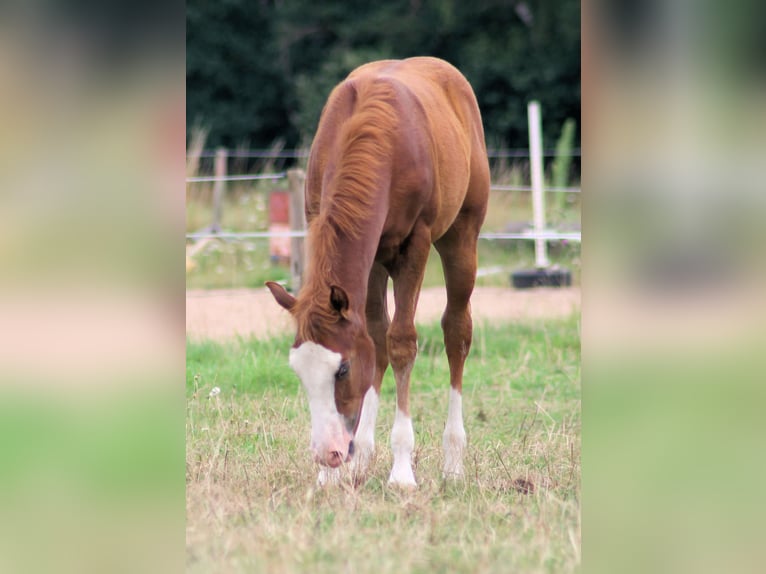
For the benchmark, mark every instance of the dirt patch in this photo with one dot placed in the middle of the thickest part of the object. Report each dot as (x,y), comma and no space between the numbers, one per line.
(226,314)
(523,486)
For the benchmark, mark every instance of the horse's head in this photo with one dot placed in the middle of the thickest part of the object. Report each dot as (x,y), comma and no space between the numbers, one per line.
(334,358)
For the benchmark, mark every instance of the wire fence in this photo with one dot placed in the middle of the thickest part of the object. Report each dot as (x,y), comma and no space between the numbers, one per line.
(243,235)
(282,175)
(494,153)
(295,228)
(213,178)
(528,188)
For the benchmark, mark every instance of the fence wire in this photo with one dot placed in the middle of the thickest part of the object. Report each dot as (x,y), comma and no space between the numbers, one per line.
(282,175)
(299,153)
(528,188)
(210,178)
(551,236)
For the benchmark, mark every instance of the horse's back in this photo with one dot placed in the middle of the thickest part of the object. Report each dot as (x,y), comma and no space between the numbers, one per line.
(444,94)
(440,163)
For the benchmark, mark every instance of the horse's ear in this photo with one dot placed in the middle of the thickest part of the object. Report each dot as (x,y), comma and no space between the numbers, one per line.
(281,295)
(339,300)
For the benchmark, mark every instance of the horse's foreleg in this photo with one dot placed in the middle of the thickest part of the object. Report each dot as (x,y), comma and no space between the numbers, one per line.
(407,272)
(402,434)
(457,250)
(377,326)
(364,440)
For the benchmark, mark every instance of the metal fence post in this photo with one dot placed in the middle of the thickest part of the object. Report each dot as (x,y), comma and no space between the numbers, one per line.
(538,192)
(296,179)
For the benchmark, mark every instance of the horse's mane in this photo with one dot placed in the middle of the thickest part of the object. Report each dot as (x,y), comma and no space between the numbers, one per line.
(363,149)
(312,311)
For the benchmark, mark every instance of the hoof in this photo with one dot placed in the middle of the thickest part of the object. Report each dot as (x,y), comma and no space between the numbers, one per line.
(402,478)
(328,476)
(453,471)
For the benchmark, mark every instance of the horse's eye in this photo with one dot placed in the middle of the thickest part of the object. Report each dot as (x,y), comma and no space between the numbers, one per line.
(342,370)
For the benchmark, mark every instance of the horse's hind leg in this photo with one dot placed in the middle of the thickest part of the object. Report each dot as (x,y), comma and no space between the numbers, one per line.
(407,272)
(377,326)
(457,249)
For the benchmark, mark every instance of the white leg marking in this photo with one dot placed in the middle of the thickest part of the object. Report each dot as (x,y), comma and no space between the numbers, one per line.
(454,437)
(328,476)
(364,440)
(402,445)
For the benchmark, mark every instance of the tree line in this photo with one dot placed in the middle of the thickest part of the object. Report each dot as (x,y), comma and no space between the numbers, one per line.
(259,71)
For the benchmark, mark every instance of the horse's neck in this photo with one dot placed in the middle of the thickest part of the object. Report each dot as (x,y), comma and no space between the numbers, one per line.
(347,264)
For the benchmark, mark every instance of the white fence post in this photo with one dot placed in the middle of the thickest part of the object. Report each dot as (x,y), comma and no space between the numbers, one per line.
(538,193)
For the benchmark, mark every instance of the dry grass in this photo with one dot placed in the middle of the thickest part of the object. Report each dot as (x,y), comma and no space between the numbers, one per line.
(252,502)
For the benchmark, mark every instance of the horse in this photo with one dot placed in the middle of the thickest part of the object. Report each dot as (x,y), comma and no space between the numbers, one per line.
(398,164)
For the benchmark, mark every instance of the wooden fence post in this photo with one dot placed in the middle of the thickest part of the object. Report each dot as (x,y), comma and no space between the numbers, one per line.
(296,179)
(219,187)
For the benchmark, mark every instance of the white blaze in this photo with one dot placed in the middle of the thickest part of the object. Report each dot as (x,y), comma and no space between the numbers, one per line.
(316,366)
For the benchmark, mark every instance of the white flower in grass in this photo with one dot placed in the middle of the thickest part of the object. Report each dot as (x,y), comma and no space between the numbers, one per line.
(214,392)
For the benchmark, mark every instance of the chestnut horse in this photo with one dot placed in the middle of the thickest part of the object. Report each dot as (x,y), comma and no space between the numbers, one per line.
(398,163)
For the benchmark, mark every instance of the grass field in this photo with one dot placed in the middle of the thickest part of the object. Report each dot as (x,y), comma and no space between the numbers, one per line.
(252,502)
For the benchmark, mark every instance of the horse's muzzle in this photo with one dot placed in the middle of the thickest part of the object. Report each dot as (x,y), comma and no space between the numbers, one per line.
(335,458)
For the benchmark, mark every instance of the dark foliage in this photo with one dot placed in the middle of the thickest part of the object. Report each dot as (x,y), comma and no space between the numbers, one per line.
(260,70)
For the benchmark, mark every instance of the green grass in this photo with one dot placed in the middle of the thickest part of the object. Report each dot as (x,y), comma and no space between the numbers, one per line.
(252,502)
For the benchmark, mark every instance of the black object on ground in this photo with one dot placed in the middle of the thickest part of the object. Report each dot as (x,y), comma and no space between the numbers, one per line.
(548,277)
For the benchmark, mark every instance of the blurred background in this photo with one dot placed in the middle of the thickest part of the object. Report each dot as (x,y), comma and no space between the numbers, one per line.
(93,149)
(673,306)
(91,286)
